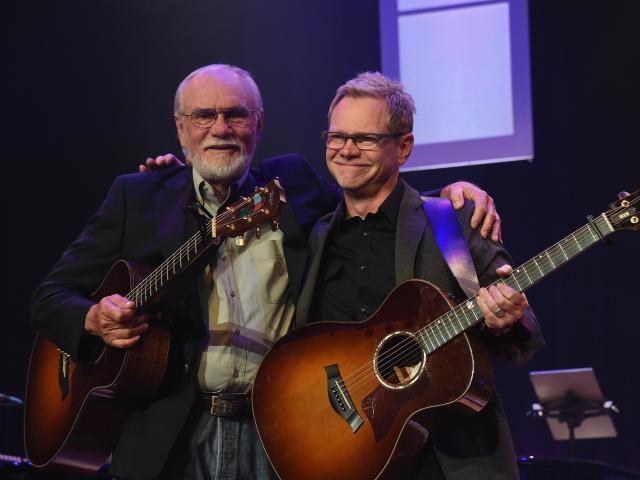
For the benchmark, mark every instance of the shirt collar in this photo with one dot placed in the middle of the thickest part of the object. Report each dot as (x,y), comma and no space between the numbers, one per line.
(387,210)
(205,194)
(391,204)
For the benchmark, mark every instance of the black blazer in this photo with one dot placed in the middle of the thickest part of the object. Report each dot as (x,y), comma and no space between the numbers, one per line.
(143,219)
(479,446)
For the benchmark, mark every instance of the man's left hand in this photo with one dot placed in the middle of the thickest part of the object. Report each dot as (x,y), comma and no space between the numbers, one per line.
(501,305)
(485,207)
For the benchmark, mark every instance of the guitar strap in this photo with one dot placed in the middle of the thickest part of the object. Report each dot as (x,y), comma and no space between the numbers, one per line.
(448,234)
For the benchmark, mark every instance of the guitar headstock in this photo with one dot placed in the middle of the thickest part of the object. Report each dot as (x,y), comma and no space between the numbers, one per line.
(263,205)
(625,212)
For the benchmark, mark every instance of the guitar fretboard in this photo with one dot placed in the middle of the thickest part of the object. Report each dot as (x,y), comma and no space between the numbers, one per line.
(248,213)
(170,268)
(468,313)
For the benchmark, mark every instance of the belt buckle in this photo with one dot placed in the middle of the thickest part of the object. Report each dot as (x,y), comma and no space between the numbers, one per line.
(225,406)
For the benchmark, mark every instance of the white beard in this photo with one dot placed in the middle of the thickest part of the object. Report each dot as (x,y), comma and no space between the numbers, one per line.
(220,171)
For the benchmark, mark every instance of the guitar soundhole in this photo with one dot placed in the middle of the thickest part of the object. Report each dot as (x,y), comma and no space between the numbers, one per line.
(399,360)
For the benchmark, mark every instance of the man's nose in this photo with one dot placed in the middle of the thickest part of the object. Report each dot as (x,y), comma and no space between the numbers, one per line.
(220,127)
(349,149)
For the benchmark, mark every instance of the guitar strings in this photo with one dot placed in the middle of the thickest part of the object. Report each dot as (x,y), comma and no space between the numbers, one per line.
(430,331)
(399,352)
(139,293)
(321,408)
(581,234)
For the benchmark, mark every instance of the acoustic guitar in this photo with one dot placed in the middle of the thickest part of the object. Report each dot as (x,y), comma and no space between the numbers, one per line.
(333,400)
(74,412)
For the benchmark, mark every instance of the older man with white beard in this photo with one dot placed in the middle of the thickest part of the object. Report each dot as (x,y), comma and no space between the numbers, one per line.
(199,425)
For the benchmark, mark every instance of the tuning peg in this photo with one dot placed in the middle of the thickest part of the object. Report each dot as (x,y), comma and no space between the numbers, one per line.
(623,194)
(258,232)
(274,225)
(240,242)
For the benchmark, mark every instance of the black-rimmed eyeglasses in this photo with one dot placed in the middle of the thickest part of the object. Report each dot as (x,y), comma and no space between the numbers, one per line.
(363,141)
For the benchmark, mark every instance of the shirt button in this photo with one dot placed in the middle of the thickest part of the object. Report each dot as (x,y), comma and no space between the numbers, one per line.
(186,368)
(365,234)
(363,309)
(232,293)
(363,267)
(236,331)
(223,258)
(235,373)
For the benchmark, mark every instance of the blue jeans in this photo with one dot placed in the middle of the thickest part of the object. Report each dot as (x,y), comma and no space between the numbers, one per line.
(218,448)
(226,449)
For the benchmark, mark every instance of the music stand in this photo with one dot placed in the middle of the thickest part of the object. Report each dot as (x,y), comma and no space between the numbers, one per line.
(573,405)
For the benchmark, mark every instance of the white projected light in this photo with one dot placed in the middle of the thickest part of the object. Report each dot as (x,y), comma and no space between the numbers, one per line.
(466,65)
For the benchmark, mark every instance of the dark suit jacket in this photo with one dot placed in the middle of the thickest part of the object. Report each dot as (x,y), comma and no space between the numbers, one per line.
(479,446)
(143,219)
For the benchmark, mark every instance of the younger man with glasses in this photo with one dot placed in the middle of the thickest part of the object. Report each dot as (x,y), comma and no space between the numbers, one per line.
(379,237)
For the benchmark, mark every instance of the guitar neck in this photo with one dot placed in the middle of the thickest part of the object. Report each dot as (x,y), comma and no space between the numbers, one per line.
(148,289)
(245,214)
(468,313)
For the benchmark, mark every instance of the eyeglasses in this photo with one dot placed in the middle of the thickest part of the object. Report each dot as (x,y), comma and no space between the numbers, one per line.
(234,116)
(363,141)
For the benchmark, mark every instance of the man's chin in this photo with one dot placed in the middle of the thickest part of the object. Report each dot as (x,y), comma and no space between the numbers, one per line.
(220,155)
(216,169)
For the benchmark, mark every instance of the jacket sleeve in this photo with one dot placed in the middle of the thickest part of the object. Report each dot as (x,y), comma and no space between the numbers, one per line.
(59,305)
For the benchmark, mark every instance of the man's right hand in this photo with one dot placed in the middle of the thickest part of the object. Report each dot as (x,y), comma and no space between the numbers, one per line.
(114,319)
(161,161)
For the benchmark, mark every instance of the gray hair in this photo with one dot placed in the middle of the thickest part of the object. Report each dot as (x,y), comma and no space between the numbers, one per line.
(400,105)
(246,76)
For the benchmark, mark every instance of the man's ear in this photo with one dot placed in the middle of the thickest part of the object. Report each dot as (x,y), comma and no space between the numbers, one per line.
(259,124)
(405,146)
(180,129)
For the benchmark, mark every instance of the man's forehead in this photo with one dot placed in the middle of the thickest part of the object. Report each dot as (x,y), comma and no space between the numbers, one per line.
(359,114)
(220,89)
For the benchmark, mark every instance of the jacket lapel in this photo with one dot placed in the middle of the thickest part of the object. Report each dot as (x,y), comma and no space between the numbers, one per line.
(317,250)
(170,211)
(409,231)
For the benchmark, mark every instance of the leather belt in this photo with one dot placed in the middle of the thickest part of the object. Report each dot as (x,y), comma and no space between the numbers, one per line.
(227,405)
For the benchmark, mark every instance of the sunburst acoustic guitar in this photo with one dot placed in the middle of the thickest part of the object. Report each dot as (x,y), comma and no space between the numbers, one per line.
(74,413)
(331,400)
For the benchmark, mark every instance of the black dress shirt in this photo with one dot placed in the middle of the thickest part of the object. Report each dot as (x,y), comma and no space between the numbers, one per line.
(358,264)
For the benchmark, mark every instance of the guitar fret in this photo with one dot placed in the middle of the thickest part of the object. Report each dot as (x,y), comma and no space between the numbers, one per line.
(421,339)
(449,325)
(562,250)
(537,265)
(550,259)
(428,337)
(464,315)
(437,322)
(516,280)
(577,244)
(455,311)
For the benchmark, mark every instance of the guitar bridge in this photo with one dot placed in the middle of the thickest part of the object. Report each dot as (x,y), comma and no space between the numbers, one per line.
(340,399)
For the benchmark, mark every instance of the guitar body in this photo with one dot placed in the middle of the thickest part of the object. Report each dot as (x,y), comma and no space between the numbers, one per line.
(79,430)
(334,400)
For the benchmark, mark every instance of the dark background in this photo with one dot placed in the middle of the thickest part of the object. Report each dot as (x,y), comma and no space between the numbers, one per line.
(88,95)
